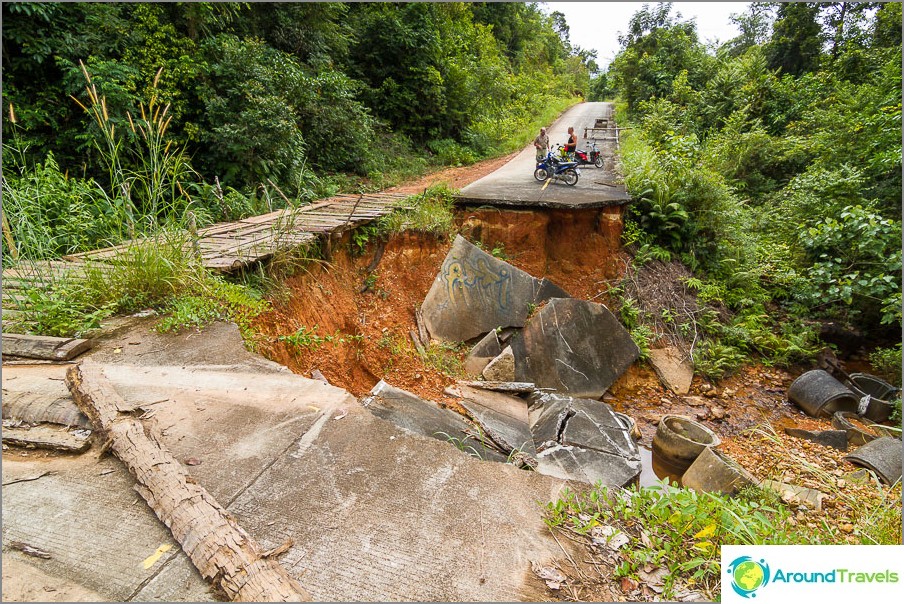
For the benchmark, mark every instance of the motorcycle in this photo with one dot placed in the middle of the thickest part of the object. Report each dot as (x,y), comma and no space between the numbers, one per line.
(557,168)
(589,157)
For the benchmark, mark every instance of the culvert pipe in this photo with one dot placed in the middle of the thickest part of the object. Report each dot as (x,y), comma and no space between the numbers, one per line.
(677,443)
(818,394)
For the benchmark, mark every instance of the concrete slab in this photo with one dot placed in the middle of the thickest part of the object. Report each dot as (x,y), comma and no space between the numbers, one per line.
(488,348)
(37,394)
(375,513)
(426,418)
(573,346)
(514,185)
(475,293)
(583,440)
(837,439)
(502,417)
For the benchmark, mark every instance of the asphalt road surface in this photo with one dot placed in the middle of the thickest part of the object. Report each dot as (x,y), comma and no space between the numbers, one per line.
(514,184)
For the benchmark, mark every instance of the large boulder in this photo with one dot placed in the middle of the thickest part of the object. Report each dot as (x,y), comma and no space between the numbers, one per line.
(576,347)
(475,293)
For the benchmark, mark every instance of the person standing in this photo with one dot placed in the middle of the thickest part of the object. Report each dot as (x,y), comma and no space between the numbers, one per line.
(542,145)
(572,144)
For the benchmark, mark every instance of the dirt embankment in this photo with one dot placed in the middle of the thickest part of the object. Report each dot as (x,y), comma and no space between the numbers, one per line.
(350,318)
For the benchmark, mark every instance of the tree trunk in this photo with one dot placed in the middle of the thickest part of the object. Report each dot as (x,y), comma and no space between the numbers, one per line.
(223,553)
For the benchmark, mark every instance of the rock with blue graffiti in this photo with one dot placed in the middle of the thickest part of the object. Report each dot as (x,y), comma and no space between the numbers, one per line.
(475,293)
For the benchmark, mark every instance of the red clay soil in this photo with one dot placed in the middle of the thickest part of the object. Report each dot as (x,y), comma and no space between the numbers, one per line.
(365,333)
(456,177)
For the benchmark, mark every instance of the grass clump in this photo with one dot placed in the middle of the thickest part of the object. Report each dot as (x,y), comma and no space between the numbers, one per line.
(674,528)
(430,212)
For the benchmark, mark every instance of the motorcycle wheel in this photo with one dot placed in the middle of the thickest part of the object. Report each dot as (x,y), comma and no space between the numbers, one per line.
(598,162)
(570,177)
(541,174)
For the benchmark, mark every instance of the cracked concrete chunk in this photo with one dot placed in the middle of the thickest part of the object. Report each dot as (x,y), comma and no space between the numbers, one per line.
(427,419)
(475,293)
(582,431)
(675,372)
(837,439)
(581,439)
(503,418)
(574,463)
(502,368)
(573,346)
(488,348)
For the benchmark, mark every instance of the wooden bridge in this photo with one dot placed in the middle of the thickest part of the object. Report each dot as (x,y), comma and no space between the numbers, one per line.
(224,247)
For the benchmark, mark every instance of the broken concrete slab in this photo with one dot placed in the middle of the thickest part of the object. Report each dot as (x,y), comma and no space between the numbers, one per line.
(501,417)
(675,372)
(475,293)
(837,439)
(426,418)
(581,430)
(583,465)
(502,368)
(573,346)
(715,472)
(511,435)
(513,407)
(581,439)
(37,394)
(518,387)
(487,349)
(376,513)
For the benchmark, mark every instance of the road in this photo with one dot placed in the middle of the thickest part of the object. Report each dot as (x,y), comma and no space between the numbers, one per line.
(514,185)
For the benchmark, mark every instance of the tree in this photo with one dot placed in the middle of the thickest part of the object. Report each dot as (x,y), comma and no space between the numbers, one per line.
(797,39)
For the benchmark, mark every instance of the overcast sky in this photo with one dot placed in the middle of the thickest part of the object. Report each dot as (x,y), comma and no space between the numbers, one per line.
(598,24)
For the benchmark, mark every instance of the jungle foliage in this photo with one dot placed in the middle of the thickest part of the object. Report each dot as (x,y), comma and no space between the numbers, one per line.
(771,166)
(136,113)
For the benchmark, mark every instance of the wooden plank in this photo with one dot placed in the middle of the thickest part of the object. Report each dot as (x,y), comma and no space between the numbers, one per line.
(44,347)
(220,549)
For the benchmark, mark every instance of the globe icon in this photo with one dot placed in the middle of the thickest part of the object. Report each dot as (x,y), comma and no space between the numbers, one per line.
(749,575)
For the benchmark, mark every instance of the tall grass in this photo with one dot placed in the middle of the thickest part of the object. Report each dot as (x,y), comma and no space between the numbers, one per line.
(142,199)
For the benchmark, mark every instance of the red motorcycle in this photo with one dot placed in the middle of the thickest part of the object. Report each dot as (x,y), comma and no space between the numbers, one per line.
(589,157)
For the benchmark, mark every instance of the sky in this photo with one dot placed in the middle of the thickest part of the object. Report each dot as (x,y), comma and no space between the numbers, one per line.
(597,24)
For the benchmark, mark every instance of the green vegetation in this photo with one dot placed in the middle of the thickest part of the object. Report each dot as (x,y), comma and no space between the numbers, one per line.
(430,212)
(771,168)
(129,121)
(674,528)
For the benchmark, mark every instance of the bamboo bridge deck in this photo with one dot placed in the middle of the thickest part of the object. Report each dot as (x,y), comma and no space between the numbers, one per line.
(223,247)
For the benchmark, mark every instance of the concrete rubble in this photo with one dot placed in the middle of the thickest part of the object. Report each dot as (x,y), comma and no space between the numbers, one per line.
(837,439)
(581,439)
(502,368)
(573,346)
(426,418)
(488,348)
(475,293)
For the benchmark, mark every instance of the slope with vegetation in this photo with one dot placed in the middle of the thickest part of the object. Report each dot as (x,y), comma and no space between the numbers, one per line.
(770,166)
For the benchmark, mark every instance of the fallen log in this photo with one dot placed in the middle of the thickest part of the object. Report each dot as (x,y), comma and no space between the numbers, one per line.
(221,550)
